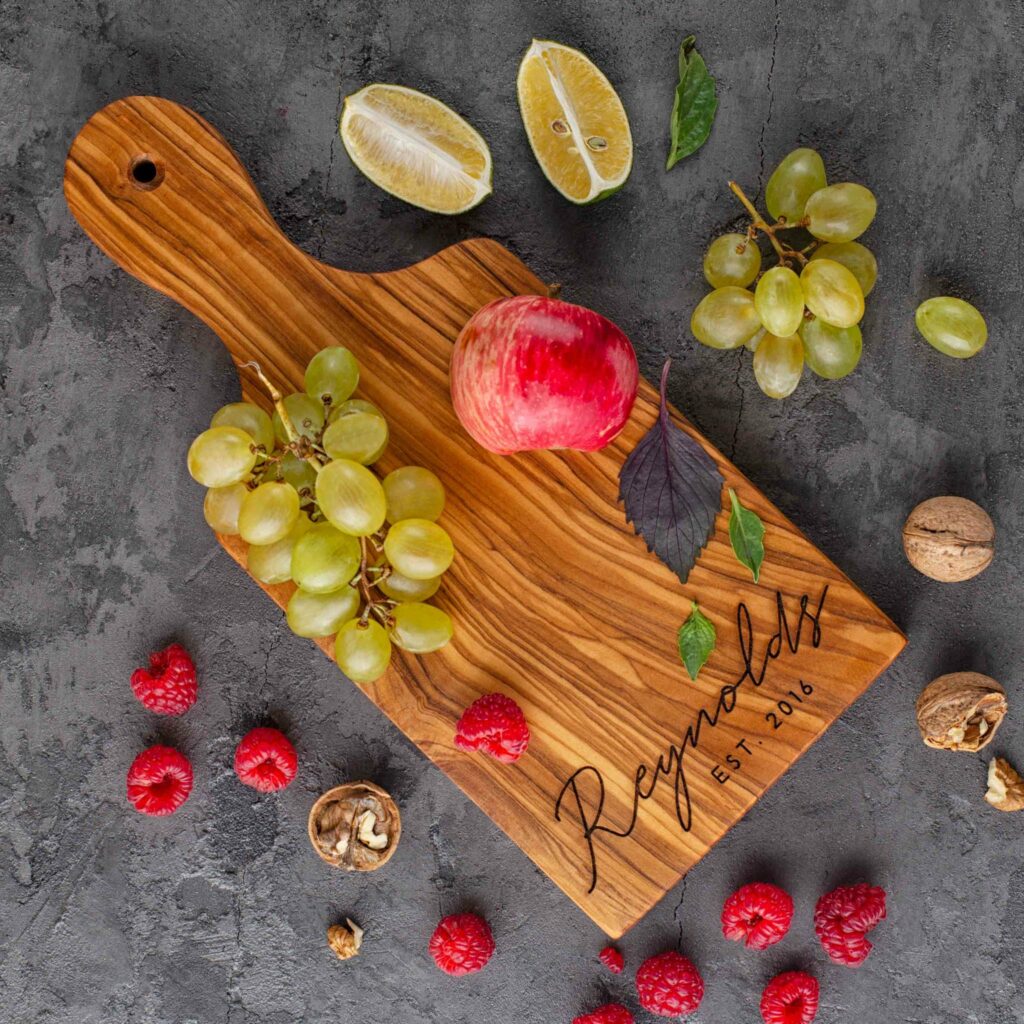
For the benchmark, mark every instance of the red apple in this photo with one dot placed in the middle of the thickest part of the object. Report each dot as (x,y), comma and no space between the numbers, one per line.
(531,372)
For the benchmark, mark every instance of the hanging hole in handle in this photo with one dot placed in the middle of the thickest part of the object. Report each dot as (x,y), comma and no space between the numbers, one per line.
(145,173)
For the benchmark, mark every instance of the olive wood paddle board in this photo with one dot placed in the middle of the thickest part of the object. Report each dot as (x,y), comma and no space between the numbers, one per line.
(634,771)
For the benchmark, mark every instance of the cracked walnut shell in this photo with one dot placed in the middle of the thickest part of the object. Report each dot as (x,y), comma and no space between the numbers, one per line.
(949,539)
(960,711)
(1005,786)
(355,826)
(345,941)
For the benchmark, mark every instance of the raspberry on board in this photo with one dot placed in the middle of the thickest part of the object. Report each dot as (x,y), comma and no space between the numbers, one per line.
(496,725)
(610,1013)
(758,914)
(790,998)
(168,686)
(669,985)
(159,781)
(842,919)
(462,944)
(266,760)
(612,959)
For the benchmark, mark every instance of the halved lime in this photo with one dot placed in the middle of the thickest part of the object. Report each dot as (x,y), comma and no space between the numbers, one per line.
(416,148)
(575,122)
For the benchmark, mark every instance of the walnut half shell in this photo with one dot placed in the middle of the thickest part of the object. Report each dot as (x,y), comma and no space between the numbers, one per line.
(355,826)
(960,711)
(1005,786)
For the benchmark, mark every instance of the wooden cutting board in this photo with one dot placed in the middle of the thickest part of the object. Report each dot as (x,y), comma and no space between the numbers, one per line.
(634,771)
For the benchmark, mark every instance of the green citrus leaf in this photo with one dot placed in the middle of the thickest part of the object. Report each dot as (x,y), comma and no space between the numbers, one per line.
(696,641)
(693,110)
(746,531)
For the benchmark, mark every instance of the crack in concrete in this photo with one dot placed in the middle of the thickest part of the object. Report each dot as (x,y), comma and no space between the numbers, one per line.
(739,411)
(771,95)
(335,141)
(675,913)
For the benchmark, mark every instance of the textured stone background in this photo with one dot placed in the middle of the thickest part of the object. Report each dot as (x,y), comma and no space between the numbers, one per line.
(219,913)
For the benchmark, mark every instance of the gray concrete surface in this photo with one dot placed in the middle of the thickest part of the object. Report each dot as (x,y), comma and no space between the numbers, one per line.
(218,914)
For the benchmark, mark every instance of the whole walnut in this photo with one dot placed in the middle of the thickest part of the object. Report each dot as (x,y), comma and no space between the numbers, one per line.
(949,539)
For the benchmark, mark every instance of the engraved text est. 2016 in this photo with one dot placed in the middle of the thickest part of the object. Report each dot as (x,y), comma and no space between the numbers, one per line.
(672,761)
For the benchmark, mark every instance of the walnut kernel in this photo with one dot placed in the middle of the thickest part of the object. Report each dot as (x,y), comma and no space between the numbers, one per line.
(949,539)
(1005,786)
(960,711)
(345,941)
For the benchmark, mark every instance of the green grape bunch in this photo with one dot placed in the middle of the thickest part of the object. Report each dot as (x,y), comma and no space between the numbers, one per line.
(365,553)
(806,310)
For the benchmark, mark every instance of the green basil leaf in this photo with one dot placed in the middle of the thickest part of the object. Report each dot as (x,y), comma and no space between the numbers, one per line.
(746,531)
(693,110)
(696,641)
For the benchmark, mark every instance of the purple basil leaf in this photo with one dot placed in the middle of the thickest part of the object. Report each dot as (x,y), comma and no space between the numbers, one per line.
(672,491)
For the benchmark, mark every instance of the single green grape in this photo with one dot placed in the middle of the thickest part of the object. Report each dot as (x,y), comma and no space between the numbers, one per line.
(952,326)
(799,175)
(732,259)
(858,259)
(325,559)
(268,513)
(351,498)
(315,615)
(248,417)
(297,472)
(831,352)
(413,492)
(403,588)
(220,508)
(272,563)
(221,456)
(306,414)
(751,343)
(418,548)
(840,213)
(779,301)
(362,650)
(332,375)
(420,628)
(359,436)
(352,405)
(832,293)
(725,318)
(778,365)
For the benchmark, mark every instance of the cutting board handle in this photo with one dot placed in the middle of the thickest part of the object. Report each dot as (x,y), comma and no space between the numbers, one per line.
(160,191)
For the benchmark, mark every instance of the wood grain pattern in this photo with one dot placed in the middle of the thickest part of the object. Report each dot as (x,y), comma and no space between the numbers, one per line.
(555,601)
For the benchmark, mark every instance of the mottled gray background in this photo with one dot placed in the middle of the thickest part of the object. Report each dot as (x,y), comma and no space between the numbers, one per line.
(218,914)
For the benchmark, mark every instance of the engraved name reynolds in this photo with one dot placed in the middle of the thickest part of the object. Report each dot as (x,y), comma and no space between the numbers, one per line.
(589,812)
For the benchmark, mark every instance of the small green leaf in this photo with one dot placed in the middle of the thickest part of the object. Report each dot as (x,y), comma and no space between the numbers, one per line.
(746,531)
(693,110)
(696,641)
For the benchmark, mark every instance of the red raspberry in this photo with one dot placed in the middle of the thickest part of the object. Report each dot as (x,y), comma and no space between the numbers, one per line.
(669,985)
(842,919)
(790,998)
(266,760)
(612,959)
(168,686)
(758,914)
(496,725)
(159,781)
(462,944)
(610,1013)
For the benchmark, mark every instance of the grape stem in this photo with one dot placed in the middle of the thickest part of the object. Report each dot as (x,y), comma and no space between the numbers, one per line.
(373,603)
(758,223)
(294,438)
